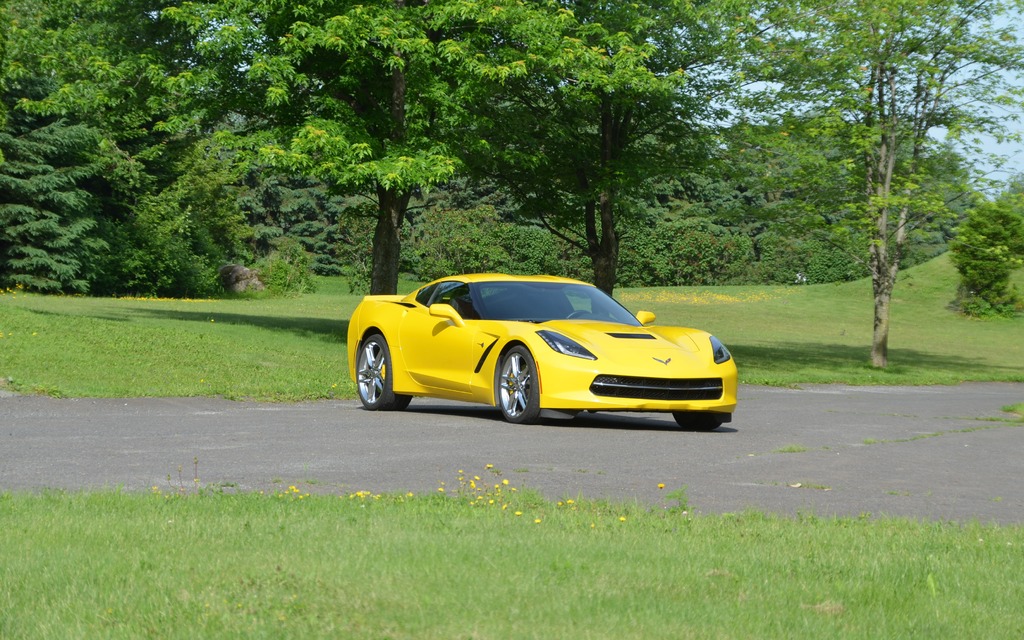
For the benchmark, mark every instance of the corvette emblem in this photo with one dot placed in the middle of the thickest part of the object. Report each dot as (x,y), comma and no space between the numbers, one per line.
(665,361)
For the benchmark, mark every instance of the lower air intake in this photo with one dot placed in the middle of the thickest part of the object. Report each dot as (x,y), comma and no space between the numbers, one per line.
(657,388)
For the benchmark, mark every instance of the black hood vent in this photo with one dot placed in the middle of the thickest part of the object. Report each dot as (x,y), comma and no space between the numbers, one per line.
(632,336)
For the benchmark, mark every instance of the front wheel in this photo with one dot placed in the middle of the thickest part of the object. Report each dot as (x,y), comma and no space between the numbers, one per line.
(697,421)
(518,389)
(373,374)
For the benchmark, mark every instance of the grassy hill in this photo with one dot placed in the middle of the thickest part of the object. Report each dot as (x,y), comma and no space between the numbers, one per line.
(822,333)
(293,348)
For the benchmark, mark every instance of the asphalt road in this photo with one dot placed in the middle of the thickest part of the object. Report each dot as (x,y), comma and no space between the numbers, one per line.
(941,453)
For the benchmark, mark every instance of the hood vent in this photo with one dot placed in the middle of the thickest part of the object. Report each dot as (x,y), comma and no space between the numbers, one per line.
(632,336)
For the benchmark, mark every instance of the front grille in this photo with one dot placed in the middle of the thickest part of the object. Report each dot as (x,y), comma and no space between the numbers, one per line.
(657,388)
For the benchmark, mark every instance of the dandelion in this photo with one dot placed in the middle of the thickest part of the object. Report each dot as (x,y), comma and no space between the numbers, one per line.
(661,485)
(537,521)
(519,513)
(622,518)
(440,489)
(505,482)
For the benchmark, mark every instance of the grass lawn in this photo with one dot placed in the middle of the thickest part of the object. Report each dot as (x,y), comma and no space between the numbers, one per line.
(291,565)
(484,561)
(293,348)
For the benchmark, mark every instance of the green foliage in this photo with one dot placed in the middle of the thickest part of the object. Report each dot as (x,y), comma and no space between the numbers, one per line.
(685,252)
(577,123)
(880,76)
(278,205)
(989,246)
(46,226)
(177,239)
(455,241)
(450,241)
(790,260)
(352,95)
(288,269)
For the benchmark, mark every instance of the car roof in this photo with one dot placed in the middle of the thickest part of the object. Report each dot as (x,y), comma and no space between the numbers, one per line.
(472,278)
(503,277)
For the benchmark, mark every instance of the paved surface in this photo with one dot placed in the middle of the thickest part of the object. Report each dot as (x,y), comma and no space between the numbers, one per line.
(944,453)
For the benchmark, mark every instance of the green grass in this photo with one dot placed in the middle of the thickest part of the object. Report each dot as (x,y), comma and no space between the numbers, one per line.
(187,561)
(292,565)
(294,348)
(822,333)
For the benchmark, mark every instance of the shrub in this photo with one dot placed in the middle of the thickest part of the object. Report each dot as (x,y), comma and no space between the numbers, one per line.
(686,252)
(288,269)
(988,247)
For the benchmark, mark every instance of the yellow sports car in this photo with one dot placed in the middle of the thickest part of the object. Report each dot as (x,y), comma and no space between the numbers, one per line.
(535,346)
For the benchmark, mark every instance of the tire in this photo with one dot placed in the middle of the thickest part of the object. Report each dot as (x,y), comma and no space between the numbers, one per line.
(517,392)
(373,377)
(697,421)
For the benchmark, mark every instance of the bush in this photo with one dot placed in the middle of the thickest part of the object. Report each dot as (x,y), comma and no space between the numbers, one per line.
(988,247)
(786,260)
(686,252)
(450,241)
(288,269)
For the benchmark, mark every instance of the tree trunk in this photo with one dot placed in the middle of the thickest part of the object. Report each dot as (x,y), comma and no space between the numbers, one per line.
(603,243)
(391,204)
(883,279)
(605,253)
(387,243)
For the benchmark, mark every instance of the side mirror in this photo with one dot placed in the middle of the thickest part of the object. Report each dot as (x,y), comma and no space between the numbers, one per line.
(447,312)
(645,317)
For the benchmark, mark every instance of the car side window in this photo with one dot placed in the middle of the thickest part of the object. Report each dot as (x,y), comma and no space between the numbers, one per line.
(457,295)
(423,297)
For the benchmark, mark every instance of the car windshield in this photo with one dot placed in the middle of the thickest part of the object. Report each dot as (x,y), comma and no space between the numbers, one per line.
(544,301)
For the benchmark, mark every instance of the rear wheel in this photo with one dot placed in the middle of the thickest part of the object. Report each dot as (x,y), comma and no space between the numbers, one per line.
(518,391)
(373,374)
(697,421)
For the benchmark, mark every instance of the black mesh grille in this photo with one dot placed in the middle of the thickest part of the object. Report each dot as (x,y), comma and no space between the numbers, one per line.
(657,388)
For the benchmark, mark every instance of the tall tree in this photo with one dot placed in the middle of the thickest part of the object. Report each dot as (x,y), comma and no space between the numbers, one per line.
(586,104)
(112,65)
(883,76)
(345,92)
(45,221)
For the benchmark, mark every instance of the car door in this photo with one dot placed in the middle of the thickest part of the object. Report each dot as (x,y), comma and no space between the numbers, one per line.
(436,352)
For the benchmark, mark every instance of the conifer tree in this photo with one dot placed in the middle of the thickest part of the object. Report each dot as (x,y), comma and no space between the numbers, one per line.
(44,214)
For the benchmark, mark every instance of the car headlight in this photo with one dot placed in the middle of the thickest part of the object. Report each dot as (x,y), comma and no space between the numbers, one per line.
(566,346)
(721,353)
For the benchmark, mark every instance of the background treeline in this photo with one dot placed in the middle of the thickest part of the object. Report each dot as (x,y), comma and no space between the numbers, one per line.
(146,143)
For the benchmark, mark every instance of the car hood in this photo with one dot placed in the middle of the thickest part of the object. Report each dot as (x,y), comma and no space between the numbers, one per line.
(611,338)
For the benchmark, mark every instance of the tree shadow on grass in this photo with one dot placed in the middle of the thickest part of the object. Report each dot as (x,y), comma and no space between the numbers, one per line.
(334,331)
